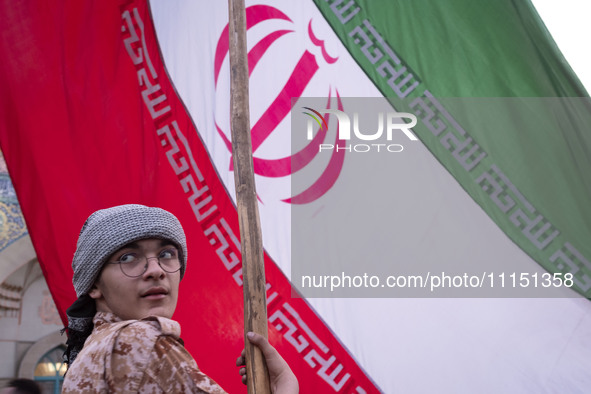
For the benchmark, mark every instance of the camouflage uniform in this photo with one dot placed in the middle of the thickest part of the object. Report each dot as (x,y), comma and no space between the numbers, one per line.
(133,356)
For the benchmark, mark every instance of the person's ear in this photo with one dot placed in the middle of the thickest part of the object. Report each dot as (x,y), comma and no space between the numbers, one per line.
(95,293)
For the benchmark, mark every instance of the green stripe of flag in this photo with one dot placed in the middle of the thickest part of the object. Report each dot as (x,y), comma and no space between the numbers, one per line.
(523,159)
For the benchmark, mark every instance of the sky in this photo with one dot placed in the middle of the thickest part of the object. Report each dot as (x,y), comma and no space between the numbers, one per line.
(568,22)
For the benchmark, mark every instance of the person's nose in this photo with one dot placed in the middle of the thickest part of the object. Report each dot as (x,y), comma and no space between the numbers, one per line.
(153,268)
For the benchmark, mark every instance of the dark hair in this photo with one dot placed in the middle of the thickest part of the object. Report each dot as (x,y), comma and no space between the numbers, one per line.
(80,326)
(25,386)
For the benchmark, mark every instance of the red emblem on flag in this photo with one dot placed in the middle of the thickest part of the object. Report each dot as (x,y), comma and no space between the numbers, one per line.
(280,106)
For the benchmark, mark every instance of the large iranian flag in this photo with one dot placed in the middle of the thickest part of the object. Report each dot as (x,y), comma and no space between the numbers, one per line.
(115,102)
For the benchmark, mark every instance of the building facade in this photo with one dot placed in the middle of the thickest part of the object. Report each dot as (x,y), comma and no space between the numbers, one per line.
(31,344)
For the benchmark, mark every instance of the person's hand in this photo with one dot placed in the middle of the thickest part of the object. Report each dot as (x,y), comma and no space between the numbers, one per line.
(281,377)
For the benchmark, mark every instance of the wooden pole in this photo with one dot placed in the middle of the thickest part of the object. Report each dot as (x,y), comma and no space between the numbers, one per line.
(253,268)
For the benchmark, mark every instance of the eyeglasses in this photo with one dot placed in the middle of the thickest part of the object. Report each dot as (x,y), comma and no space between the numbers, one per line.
(133,264)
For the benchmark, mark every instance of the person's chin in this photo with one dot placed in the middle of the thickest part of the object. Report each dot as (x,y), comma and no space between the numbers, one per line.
(160,311)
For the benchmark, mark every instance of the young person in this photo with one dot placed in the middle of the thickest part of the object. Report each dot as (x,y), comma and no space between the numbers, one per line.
(128,264)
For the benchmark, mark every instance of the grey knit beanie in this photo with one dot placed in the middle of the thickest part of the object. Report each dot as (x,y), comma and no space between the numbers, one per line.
(108,230)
